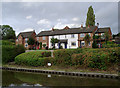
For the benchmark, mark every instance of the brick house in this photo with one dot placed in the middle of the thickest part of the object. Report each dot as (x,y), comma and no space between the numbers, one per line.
(71,37)
(23,37)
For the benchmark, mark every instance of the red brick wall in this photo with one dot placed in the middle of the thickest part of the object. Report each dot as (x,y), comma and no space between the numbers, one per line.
(44,41)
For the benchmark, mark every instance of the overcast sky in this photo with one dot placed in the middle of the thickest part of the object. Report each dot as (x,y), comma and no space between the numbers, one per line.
(26,16)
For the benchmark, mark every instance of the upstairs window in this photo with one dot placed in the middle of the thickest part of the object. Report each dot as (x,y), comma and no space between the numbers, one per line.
(89,34)
(72,36)
(82,35)
(37,38)
(26,40)
(43,37)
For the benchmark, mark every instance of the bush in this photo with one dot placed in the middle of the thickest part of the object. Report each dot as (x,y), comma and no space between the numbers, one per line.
(9,52)
(36,58)
(92,58)
(109,45)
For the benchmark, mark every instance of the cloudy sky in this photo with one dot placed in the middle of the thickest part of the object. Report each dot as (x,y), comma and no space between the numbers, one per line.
(39,16)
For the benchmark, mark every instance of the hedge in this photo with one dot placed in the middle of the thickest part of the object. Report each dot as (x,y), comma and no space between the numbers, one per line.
(93,58)
(9,52)
(36,58)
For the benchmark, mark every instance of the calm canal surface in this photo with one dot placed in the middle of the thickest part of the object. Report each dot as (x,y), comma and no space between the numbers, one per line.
(10,78)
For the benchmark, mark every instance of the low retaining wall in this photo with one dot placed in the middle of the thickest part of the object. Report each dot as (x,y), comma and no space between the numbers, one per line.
(100,75)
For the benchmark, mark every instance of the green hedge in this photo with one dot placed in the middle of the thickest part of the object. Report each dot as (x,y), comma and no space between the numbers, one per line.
(9,52)
(36,58)
(93,58)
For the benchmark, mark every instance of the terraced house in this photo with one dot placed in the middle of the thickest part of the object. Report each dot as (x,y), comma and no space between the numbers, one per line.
(23,37)
(71,37)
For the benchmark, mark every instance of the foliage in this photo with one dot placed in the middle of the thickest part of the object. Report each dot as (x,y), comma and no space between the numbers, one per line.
(9,52)
(87,39)
(31,41)
(94,44)
(92,58)
(106,37)
(90,17)
(7,32)
(109,45)
(53,41)
(36,58)
(40,45)
(44,45)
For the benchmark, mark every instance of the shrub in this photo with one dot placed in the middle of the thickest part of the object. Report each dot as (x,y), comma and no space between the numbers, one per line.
(36,58)
(109,45)
(9,52)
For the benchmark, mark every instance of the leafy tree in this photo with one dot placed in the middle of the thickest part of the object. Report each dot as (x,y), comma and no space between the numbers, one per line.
(53,41)
(40,45)
(90,17)
(7,32)
(87,39)
(31,41)
(106,37)
(94,44)
(44,45)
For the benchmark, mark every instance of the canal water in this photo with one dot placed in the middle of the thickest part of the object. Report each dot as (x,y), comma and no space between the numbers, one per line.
(12,78)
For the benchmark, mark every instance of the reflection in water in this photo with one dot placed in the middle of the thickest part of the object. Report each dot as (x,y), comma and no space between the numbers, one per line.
(33,79)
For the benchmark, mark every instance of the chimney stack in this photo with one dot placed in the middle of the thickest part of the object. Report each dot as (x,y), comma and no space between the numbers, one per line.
(82,25)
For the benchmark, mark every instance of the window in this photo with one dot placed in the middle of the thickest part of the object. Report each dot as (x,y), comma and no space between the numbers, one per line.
(26,40)
(26,45)
(89,43)
(17,40)
(65,36)
(82,43)
(96,34)
(73,43)
(52,36)
(37,38)
(72,36)
(102,36)
(82,35)
(43,37)
(89,34)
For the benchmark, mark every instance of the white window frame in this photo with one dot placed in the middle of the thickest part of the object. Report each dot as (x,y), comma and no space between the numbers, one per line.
(43,37)
(72,36)
(26,45)
(72,43)
(89,43)
(82,43)
(37,38)
(82,35)
(89,34)
(26,39)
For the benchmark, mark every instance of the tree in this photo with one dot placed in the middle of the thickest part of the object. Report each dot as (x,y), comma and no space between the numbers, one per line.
(53,41)
(44,45)
(106,37)
(94,44)
(31,41)
(40,45)
(7,32)
(90,17)
(87,39)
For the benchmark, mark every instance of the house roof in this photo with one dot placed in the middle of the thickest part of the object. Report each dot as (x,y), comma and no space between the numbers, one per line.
(102,30)
(67,31)
(26,34)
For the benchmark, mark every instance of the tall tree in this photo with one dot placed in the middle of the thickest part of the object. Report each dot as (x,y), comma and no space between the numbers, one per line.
(90,17)
(31,41)
(87,39)
(7,32)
